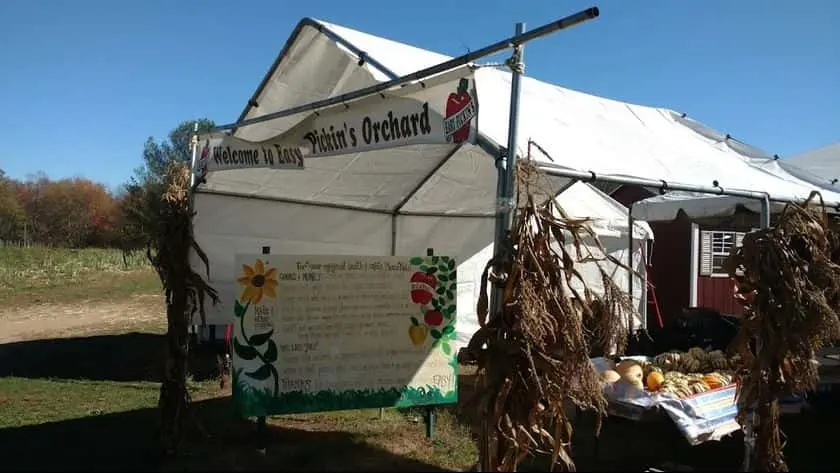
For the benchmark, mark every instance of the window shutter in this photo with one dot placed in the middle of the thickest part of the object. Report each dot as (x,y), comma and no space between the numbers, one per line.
(705,253)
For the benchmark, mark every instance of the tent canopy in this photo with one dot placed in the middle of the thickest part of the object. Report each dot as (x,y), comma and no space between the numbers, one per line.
(579,131)
(820,166)
(697,205)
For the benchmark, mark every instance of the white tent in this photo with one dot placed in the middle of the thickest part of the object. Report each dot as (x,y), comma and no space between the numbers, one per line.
(820,166)
(609,222)
(696,205)
(429,193)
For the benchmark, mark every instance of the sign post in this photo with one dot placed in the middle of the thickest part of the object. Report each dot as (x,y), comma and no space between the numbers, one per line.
(262,428)
(430,410)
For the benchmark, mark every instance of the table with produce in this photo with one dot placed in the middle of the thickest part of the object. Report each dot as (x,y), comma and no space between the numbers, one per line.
(696,389)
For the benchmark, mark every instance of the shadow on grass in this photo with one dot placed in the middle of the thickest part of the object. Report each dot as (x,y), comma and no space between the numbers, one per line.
(124,357)
(125,442)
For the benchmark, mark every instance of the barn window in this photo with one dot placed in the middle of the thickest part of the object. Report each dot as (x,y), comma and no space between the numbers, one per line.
(715,247)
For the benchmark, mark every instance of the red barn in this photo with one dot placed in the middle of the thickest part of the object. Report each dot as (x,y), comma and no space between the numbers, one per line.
(687,258)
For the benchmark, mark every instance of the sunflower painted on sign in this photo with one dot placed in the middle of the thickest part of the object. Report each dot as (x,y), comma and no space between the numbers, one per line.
(259,281)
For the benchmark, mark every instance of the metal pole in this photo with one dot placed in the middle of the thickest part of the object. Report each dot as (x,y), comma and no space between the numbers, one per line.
(590,176)
(194,143)
(513,41)
(517,66)
(754,419)
(764,222)
(630,270)
(190,202)
(506,167)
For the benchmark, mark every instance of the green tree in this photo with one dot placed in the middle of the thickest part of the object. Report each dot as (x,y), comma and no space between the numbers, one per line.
(12,213)
(141,198)
(158,154)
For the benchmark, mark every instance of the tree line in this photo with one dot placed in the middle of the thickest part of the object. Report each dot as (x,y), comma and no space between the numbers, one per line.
(79,213)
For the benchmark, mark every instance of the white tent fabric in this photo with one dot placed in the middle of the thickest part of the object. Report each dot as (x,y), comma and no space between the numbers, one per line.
(696,205)
(587,132)
(404,200)
(820,166)
(666,207)
(609,222)
(223,229)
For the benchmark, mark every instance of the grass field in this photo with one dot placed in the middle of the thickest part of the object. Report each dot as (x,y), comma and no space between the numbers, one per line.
(83,395)
(41,274)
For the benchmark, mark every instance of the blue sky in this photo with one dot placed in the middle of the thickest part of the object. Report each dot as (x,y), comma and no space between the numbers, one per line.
(84,83)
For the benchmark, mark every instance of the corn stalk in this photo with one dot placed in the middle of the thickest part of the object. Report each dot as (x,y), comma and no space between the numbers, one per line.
(185,291)
(788,280)
(536,361)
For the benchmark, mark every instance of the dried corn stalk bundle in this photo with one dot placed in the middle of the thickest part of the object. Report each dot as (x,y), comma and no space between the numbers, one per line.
(536,359)
(185,291)
(789,286)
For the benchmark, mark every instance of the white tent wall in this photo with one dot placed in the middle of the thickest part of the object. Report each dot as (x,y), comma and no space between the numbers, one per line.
(223,228)
(470,241)
(225,225)
(609,221)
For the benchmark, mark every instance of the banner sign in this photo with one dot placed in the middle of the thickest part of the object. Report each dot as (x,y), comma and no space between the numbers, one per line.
(321,333)
(445,111)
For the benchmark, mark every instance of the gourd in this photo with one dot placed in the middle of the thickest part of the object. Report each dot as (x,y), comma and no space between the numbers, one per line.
(610,376)
(632,372)
(655,380)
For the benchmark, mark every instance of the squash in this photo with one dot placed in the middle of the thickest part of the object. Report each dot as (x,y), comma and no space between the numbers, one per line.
(632,372)
(610,376)
(712,381)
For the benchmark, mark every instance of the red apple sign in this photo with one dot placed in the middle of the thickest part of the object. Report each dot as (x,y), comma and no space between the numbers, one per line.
(422,287)
(454,104)
(433,318)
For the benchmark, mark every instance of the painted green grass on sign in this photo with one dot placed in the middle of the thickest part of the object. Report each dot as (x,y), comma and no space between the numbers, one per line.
(255,402)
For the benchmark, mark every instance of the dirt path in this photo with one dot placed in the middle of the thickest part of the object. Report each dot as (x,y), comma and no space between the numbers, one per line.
(79,319)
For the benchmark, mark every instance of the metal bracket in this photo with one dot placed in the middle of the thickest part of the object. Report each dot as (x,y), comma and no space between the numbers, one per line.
(514,62)
(501,159)
(505,204)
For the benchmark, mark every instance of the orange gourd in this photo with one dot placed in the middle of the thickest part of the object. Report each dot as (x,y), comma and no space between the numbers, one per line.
(712,381)
(655,380)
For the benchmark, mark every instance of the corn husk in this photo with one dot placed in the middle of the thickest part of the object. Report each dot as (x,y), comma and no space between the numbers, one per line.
(537,356)
(789,282)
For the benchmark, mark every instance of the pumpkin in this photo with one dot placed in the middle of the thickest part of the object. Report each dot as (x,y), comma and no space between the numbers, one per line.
(654,380)
(610,376)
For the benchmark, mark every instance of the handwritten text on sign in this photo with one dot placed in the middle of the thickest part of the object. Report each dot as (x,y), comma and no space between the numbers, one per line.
(334,332)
